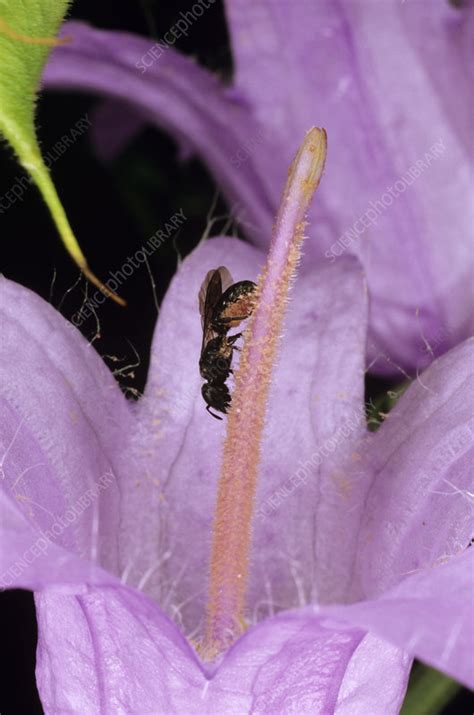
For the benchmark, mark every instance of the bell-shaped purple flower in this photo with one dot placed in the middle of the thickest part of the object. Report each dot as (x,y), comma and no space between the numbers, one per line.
(359,557)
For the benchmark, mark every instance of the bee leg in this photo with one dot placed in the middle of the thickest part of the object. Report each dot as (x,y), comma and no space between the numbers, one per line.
(224,321)
(212,413)
(233,338)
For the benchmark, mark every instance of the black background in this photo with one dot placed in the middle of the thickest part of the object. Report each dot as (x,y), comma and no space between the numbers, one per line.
(113,209)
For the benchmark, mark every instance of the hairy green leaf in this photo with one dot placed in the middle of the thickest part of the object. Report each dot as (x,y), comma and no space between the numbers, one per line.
(28,30)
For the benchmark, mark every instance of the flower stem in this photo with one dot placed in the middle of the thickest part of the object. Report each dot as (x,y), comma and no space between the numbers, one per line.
(232,528)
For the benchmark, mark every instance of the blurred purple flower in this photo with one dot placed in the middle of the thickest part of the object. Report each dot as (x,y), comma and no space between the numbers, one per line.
(389,83)
(359,560)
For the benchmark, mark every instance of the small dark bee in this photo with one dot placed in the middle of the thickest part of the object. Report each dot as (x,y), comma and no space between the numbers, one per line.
(223,305)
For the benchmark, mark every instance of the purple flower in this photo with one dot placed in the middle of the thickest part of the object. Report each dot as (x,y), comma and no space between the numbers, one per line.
(397,188)
(359,558)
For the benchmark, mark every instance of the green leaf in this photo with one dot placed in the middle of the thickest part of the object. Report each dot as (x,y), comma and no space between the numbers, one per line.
(428,692)
(28,30)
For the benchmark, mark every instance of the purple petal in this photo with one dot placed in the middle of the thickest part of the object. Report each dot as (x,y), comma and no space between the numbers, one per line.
(358,70)
(419,509)
(30,558)
(62,422)
(307,500)
(113,650)
(447,32)
(288,664)
(178,445)
(429,615)
(177,95)
(374,661)
(325,34)
(318,391)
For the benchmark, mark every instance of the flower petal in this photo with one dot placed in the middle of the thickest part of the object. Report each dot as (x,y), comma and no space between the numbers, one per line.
(308,501)
(29,559)
(63,420)
(374,661)
(419,510)
(175,94)
(429,615)
(180,444)
(447,32)
(291,663)
(357,69)
(113,650)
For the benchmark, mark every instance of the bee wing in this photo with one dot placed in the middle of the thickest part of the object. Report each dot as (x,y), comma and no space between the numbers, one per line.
(209,294)
(226,278)
(215,282)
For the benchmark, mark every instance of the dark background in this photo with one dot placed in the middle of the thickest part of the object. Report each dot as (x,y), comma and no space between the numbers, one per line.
(113,209)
